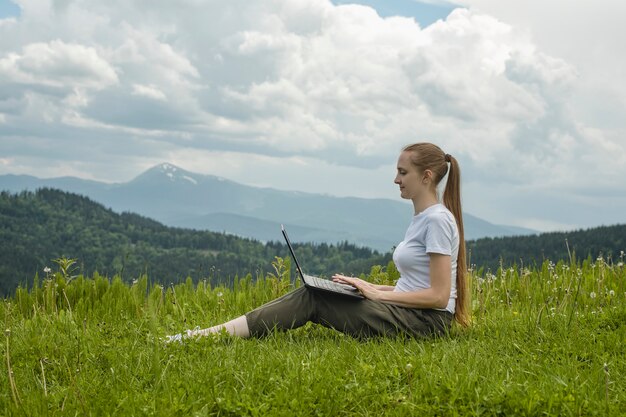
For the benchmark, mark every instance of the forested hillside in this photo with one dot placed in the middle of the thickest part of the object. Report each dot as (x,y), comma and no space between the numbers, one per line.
(37,227)
(606,241)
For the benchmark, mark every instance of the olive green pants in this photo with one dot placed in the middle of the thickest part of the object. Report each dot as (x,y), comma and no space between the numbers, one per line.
(360,318)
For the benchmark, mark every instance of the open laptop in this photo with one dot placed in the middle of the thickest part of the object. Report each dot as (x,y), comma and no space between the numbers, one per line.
(319,283)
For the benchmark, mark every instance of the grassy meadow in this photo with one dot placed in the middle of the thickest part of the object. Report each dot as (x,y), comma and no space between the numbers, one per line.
(547,340)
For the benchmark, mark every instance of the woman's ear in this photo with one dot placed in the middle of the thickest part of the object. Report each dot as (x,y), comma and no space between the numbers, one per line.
(427,176)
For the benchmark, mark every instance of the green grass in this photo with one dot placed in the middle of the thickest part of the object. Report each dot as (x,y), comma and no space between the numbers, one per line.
(545,341)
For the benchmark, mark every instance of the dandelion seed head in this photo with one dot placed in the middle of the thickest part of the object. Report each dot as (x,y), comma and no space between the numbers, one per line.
(612,293)
(592,294)
(220,294)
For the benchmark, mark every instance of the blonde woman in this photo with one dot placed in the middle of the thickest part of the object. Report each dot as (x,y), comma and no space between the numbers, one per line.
(432,290)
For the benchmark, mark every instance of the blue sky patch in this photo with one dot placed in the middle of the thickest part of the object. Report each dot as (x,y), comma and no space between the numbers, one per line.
(424,13)
(8,9)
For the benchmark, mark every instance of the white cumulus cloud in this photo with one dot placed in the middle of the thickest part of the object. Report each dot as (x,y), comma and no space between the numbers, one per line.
(304,80)
(149,91)
(58,64)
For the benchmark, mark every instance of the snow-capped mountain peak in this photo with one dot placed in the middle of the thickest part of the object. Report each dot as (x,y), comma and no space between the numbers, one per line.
(171,173)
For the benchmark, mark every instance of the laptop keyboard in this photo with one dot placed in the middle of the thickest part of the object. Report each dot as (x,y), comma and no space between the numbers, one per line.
(329,285)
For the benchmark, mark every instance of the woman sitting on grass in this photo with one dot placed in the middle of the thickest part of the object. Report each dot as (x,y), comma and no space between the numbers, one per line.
(432,289)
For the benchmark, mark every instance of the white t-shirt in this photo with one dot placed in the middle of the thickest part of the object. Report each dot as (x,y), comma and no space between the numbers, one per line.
(433,230)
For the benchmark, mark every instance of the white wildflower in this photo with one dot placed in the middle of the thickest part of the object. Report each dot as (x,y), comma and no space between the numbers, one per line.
(612,293)
(47,270)
(592,294)
(220,294)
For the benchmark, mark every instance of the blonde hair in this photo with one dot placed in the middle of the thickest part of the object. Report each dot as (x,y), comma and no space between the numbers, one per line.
(429,156)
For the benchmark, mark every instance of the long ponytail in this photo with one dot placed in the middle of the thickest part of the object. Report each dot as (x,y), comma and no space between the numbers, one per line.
(430,156)
(452,200)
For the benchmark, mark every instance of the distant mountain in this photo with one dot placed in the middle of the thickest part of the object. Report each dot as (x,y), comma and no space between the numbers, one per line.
(180,198)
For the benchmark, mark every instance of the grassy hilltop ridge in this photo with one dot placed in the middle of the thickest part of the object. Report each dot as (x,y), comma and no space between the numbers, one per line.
(544,341)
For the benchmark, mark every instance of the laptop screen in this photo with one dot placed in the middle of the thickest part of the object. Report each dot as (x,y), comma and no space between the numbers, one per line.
(293,255)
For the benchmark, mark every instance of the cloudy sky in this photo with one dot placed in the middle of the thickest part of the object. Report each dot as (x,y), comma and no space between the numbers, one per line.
(320,96)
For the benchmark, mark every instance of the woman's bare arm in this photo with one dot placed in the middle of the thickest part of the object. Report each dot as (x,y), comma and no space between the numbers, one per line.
(342,279)
(436,296)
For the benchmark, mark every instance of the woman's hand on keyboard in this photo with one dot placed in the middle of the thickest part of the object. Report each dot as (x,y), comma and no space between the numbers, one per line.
(367,289)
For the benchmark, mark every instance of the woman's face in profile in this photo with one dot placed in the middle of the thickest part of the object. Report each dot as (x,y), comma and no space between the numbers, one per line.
(408,178)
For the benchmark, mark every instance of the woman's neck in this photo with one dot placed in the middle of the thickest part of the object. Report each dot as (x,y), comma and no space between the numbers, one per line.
(422,204)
